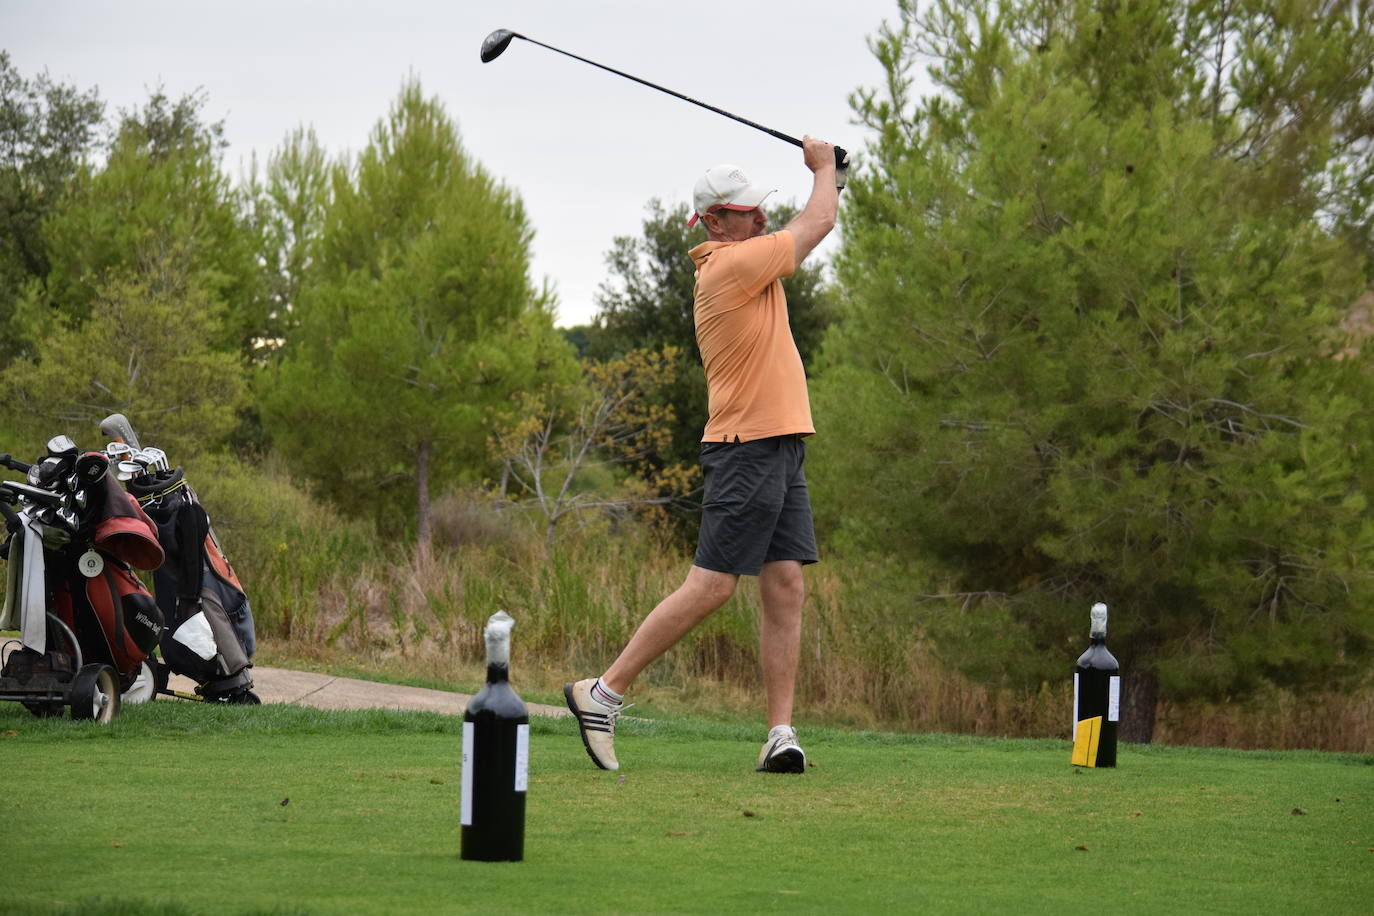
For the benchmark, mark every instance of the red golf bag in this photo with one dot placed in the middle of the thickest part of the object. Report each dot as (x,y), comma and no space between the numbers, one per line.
(86,622)
(105,604)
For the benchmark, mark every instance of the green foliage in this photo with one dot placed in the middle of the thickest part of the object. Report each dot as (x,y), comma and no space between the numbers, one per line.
(289,213)
(161,193)
(1095,288)
(47,132)
(287,548)
(145,351)
(415,325)
(613,418)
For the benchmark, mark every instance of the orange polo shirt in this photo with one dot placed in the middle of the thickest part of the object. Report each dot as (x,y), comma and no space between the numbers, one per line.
(755,382)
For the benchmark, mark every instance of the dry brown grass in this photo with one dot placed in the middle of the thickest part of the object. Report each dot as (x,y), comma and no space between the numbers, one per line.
(420,619)
(1333,721)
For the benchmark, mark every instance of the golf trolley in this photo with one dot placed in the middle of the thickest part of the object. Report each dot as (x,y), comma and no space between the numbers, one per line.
(85,620)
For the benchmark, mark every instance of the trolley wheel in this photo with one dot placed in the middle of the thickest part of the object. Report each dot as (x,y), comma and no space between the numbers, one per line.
(43,709)
(144,687)
(95,694)
(245,698)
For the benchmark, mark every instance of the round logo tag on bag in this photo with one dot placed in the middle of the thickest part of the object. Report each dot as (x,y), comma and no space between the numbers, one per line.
(90,564)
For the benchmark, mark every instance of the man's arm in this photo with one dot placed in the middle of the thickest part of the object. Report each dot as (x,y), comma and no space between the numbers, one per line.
(817,218)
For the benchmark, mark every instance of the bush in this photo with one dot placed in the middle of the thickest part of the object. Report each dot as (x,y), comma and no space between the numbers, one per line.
(287,547)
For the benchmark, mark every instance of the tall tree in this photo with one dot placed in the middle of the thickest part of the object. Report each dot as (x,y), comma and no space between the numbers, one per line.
(289,212)
(1095,290)
(417,324)
(48,131)
(162,189)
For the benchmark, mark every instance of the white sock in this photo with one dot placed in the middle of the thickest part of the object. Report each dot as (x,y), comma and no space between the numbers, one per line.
(603,694)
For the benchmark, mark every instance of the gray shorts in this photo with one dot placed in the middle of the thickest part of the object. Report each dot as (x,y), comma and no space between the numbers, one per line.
(756,509)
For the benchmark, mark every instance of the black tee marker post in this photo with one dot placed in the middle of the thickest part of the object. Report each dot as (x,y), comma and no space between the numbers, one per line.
(1096,698)
(496,746)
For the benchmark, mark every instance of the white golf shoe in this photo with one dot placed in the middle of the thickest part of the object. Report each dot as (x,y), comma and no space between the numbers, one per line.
(781,753)
(596,721)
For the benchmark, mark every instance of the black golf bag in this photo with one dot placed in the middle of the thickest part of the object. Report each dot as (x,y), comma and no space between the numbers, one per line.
(86,622)
(209,635)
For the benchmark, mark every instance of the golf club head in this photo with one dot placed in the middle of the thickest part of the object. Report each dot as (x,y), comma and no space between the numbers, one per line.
(154,458)
(497,42)
(47,472)
(62,447)
(118,428)
(92,466)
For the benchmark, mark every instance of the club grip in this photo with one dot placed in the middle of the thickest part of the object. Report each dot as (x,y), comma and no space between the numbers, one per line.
(841,167)
(14,464)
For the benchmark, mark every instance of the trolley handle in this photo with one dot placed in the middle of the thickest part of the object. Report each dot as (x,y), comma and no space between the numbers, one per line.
(14,464)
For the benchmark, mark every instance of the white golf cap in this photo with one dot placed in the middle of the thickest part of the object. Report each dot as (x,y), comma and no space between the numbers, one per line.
(725,187)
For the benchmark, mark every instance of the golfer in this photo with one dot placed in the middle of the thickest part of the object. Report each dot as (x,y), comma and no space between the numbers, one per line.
(756,515)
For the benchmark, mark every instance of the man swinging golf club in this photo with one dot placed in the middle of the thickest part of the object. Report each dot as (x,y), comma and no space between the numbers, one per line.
(756,514)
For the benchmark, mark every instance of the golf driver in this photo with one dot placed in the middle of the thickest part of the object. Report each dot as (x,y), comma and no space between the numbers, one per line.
(498,41)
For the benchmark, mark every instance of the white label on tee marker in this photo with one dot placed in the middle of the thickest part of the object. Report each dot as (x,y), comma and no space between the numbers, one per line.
(522,757)
(466,817)
(1074,737)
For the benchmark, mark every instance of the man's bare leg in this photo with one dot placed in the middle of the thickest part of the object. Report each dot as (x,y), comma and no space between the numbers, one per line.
(783,590)
(703,592)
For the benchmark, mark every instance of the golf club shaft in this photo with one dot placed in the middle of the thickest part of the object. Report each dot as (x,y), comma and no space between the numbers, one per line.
(767,130)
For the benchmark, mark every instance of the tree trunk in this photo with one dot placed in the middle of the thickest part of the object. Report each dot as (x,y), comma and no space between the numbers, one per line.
(422,517)
(1139,695)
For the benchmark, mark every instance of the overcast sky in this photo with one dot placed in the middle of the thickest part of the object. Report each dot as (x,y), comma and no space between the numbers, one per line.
(585,149)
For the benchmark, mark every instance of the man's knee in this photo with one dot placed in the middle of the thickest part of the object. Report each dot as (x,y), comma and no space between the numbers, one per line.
(783,582)
(709,587)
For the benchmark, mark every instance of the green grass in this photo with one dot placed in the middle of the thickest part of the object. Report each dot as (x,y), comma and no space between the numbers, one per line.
(180,808)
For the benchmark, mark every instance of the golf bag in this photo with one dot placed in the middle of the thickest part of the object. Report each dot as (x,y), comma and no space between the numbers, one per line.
(209,636)
(72,534)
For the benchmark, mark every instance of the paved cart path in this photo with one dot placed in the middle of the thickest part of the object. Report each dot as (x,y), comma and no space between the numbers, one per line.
(325,691)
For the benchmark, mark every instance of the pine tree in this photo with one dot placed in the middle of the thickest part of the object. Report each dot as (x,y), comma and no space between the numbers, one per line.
(1095,291)
(162,190)
(416,324)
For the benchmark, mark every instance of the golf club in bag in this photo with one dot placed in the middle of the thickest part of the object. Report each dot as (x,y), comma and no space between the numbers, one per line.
(209,636)
(86,622)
